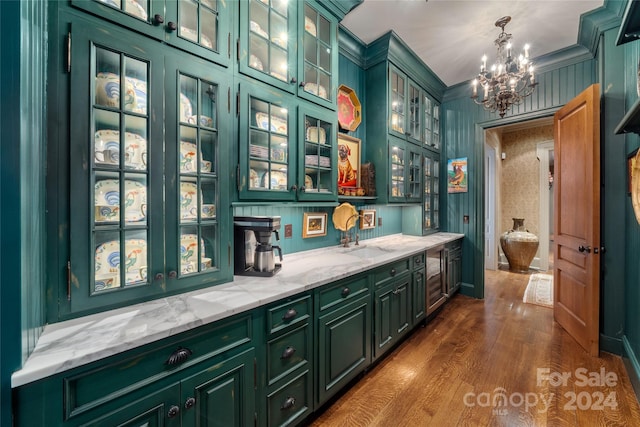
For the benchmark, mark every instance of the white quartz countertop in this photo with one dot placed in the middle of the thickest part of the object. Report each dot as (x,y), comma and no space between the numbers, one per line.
(72,343)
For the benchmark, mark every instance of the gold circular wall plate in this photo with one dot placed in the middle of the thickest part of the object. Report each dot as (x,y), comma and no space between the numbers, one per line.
(635,186)
(345,217)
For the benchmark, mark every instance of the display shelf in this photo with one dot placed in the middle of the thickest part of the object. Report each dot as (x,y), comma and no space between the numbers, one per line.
(630,123)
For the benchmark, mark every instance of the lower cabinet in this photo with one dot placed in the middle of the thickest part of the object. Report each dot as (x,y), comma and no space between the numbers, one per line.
(344,334)
(418,289)
(454,267)
(392,306)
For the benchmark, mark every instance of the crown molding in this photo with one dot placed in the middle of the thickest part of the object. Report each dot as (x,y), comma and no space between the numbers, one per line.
(351,47)
(340,8)
(595,22)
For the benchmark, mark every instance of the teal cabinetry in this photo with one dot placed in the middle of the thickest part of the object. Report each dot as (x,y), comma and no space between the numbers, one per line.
(405,107)
(201,377)
(287,149)
(405,171)
(454,266)
(418,289)
(200,27)
(392,305)
(134,235)
(289,360)
(292,46)
(343,334)
(431,197)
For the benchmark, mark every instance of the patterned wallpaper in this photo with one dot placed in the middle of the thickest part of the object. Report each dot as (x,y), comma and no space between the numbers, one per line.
(520,187)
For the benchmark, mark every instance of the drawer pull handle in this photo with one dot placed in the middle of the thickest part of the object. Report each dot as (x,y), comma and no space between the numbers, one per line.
(173,411)
(172,26)
(288,404)
(290,314)
(418,260)
(345,292)
(189,403)
(288,352)
(393,272)
(179,356)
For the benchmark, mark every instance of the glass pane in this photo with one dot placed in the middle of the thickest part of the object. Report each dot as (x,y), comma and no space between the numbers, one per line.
(135,259)
(414,112)
(106,261)
(137,8)
(188,18)
(191,250)
(134,201)
(209,259)
(397,172)
(397,102)
(190,199)
(268,38)
(135,143)
(268,146)
(208,28)
(324,33)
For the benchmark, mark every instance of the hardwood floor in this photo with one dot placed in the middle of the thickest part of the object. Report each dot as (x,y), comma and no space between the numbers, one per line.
(454,372)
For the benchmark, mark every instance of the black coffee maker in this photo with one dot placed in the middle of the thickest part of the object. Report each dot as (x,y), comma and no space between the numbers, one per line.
(254,253)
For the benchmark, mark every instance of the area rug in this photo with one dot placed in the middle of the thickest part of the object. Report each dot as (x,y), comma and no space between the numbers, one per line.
(539,290)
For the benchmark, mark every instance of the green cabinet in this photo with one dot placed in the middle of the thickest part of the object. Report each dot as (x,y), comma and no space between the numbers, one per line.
(392,305)
(418,289)
(200,27)
(405,171)
(343,334)
(431,197)
(405,107)
(136,232)
(287,149)
(289,360)
(431,120)
(206,376)
(292,46)
(453,254)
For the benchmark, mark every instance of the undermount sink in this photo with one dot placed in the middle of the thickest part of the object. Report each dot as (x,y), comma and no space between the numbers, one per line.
(361,250)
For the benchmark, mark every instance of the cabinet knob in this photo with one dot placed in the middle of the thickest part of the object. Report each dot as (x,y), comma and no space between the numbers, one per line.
(288,352)
(158,276)
(172,26)
(302,84)
(189,403)
(393,272)
(294,188)
(290,314)
(173,274)
(173,411)
(179,356)
(293,80)
(303,189)
(158,19)
(288,404)
(345,292)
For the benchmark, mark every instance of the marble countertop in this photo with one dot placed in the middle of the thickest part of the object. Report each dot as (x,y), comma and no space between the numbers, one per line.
(72,343)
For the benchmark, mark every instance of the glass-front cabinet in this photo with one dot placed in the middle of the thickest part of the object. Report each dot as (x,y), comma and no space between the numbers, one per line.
(286,152)
(405,107)
(431,192)
(199,27)
(145,144)
(405,171)
(290,45)
(431,123)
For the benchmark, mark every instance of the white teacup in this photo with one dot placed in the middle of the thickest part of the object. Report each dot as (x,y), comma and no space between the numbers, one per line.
(208,211)
(205,166)
(105,213)
(109,156)
(205,264)
(105,281)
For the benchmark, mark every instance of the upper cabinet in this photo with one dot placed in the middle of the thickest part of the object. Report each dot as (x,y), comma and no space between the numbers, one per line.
(145,141)
(201,27)
(403,118)
(290,45)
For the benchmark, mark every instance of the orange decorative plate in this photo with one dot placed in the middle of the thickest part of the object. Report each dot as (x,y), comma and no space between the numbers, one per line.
(349,108)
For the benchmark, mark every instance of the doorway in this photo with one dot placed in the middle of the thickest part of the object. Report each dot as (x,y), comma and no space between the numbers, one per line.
(518,159)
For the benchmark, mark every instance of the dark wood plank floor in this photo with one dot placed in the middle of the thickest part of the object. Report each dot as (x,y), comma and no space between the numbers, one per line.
(482,363)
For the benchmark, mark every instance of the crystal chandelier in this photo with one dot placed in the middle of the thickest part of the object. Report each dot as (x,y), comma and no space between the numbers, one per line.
(509,80)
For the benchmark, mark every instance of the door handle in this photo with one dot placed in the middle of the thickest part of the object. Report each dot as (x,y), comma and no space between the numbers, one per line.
(586,249)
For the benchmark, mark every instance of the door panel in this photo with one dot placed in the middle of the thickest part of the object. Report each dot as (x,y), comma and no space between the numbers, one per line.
(577,218)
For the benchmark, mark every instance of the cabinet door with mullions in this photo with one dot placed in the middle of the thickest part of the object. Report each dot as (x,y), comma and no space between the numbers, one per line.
(115,155)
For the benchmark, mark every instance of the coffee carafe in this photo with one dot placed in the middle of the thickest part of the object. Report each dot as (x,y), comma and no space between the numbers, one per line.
(254,253)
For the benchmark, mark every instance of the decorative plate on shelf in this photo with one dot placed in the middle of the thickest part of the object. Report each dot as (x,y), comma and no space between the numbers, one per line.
(309,26)
(189,253)
(107,259)
(135,147)
(278,180)
(316,134)
(188,157)
(349,109)
(108,91)
(308,182)
(316,90)
(107,192)
(345,217)
(188,200)
(186,110)
(277,124)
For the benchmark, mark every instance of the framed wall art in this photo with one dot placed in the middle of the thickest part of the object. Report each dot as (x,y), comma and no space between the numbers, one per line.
(348,161)
(457,181)
(314,224)
(367,219)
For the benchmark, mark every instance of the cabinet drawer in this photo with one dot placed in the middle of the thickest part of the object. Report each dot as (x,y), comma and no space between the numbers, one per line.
(290,403)
(288,352)
(122,374)
(291,312)
(340,293)
(417,261)
(389,272)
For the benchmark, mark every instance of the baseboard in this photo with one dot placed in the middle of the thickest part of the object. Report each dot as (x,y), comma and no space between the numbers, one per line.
(611,345)
(633,367)
(468,289)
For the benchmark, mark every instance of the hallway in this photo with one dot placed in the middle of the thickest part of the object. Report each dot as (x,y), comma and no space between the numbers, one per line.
(492,362)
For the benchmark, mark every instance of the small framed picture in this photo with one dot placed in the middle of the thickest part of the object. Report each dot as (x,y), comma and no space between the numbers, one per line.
(314,224)
(367,219)
(631,163)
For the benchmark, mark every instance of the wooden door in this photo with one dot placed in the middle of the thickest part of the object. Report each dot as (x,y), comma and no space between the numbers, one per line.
(577,218)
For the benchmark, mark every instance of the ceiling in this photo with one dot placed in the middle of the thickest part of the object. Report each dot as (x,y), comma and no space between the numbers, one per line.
(451,36)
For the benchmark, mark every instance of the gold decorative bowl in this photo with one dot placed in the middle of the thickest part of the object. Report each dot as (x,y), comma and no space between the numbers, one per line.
(345,217)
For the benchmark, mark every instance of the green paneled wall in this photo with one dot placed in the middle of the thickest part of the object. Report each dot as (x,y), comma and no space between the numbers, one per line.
(22,177)
(463,136)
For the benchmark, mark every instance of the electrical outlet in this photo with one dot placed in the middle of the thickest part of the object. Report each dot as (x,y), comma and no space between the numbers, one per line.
(379,221)
(288,231)
(465,219)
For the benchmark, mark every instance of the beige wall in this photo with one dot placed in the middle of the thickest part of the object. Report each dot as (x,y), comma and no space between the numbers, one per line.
(520,191)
